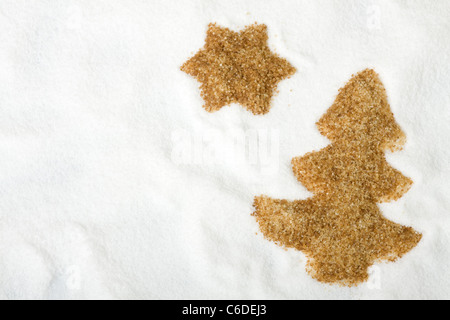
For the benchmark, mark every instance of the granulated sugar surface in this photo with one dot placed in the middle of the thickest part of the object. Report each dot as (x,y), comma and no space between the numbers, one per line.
(95,202)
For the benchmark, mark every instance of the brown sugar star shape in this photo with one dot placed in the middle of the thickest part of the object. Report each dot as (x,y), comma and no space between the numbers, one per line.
(238,67)
(341,229)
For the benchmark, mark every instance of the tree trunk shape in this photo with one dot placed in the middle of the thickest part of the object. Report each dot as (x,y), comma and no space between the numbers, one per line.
(341,229)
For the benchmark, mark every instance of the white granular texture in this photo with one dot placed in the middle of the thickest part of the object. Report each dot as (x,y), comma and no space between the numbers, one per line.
(92,203)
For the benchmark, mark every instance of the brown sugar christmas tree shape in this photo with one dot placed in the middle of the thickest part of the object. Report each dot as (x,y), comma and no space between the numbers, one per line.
(238,67)
(341,229)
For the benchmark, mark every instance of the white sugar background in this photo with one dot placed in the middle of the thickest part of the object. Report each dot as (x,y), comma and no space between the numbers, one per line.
(92,203)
